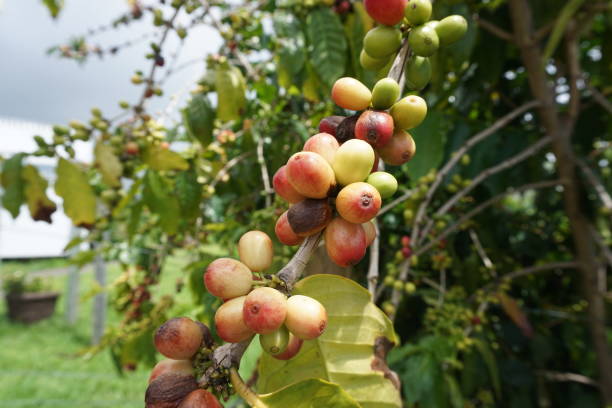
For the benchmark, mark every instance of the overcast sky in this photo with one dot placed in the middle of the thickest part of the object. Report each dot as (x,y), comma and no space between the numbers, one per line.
(38,87)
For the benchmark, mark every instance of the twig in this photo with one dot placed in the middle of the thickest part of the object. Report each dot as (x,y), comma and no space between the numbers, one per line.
(225,169)
(571,377)
(395,202)
(442,286)
(293,270)
(602,245)
(493,29)
(374,259)
(601,191)
(481,252)
(241,57)
(482,207)
(573,62)
(531,270)
(600,99)
(399,63)
(151,76)
(531,150)
(265,176)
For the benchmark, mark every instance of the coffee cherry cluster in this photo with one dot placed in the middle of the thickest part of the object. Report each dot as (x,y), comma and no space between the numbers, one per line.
(333,183)
(398,17)
(172,382)
(282,323)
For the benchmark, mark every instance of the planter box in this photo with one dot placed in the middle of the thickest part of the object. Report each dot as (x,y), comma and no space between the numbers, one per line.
(31,307)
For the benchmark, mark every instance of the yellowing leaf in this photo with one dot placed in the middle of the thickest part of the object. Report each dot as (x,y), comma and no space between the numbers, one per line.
(231,92)
(12,184)
(160,159)
(109,165)
(344,354)
(35,189)
(310,393)
(515,313)
(79,199)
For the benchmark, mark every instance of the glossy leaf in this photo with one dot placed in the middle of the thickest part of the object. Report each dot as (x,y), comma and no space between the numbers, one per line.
(231,92)
(109,165)
(12,184)
(160,199)
(163,159)
(79,199)
(327,44)
(199,118)
(344,354)
(310,393)
(189,193)
(35,191)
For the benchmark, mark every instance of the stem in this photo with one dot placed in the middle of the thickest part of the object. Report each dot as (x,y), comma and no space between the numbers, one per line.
(374,259)
(244,391)
(293,270)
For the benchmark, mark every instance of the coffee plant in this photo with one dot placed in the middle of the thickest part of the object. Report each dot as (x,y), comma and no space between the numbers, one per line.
(378,203)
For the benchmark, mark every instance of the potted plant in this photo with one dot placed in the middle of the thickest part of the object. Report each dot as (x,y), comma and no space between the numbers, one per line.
(28,300)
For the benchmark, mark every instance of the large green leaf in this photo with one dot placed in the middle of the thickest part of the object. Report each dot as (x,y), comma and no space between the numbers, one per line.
(429,137)
(161,159)
(344,354)
(327,44)
(231,92)
(160,199)
(489,359)
(309,394)
(199,119)
(109,165)
(54,6)
(12,184)
(35,191)
(79,199)
(189,193)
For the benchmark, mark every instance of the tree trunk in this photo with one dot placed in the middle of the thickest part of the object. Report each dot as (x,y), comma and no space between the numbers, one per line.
(561,132)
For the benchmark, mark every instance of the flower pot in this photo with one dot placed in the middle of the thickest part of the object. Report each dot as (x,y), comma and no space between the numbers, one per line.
(31,307)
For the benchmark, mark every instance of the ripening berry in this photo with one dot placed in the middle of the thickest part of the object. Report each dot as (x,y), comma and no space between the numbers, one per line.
(374,127)
(228,278)
(398,285)
(399,150)
(264,310)
(388,12)
(349,93)
(329,124)
(358,202)
(200,398)
(409,112)
(179,338)
(345,242)
(283,188)
(168,365)
(353,162)
(323,144)
(409,288)
(230,323)
(255,250)
(306,317)
(389,281)
(285,233)
(370,231)
(310,174)
(293,347)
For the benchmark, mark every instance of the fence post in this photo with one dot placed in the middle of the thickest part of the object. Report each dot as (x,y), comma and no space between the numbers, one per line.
(99,310)
(72,289)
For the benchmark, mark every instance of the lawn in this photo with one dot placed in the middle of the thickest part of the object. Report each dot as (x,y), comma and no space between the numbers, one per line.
(38,366)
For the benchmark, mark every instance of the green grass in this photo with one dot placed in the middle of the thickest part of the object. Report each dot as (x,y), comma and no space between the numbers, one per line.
(39,366)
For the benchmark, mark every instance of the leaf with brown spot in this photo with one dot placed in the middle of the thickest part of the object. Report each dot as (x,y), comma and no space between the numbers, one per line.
(40,206)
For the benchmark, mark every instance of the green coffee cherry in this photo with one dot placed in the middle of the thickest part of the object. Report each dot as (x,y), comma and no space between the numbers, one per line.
(275,342)
(423,40)
(382,41)
(417,12)
(371,63)
(451,29)
(409,288)
(385,93)
(418,72)
(384,182)
(398,284)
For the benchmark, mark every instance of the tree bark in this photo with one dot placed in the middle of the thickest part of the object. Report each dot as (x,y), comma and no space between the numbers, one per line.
(560,129)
